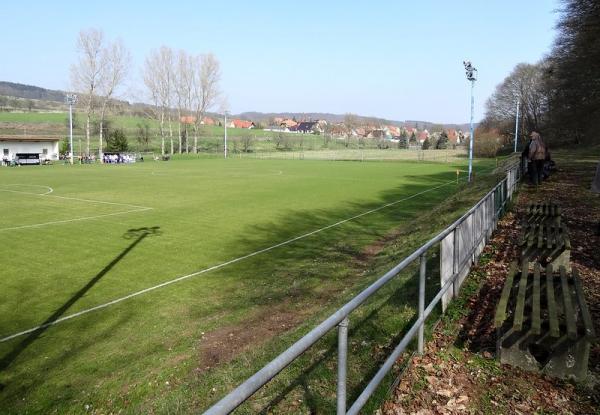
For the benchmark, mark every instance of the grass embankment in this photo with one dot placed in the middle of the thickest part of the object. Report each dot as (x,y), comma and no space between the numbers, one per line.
(179,348)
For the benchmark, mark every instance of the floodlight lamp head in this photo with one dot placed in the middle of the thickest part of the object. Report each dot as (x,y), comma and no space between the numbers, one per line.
(470,71)
(71,99)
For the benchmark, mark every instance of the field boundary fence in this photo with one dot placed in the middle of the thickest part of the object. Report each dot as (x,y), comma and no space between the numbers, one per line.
(460,245)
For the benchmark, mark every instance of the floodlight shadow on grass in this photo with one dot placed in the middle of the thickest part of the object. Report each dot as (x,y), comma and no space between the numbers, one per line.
(139,234)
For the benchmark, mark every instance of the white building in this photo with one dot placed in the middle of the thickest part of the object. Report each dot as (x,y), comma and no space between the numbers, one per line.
(45,147)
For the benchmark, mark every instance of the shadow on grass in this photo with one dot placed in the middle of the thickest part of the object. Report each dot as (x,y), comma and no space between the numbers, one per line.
(371,326)
(329,267)
(137,235)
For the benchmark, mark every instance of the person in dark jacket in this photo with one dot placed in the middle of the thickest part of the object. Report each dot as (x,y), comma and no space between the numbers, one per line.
(537,157)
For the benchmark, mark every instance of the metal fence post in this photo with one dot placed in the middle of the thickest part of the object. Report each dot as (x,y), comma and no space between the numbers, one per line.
(342,365)
(456,261)
(422,273)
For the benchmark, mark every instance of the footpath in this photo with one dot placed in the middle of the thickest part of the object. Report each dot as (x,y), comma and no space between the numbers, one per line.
(458,372)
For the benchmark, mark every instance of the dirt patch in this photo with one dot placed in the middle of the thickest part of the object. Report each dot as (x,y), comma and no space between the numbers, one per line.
(223,344)
(458,373)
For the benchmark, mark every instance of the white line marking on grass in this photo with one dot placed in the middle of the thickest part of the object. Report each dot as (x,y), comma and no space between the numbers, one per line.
(50,190)
(221,265)
(57,222)
(134,208)
(47,194)
(100,201)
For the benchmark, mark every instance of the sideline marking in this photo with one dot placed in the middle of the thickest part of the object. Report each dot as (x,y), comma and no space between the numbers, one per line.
(134,208)
(221,265)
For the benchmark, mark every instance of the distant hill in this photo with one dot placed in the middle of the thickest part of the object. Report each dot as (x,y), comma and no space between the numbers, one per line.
(30,92)
(54,96)
(432,126)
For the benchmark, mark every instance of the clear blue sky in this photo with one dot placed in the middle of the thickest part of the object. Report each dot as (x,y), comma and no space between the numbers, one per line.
(399,60)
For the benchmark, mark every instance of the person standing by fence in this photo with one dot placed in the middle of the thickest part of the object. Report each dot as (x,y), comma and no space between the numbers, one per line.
(537,157)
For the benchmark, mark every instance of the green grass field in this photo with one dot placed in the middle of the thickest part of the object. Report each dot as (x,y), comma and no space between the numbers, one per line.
(77,237)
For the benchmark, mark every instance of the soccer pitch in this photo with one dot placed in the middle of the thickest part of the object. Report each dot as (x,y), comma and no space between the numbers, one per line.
(135,263)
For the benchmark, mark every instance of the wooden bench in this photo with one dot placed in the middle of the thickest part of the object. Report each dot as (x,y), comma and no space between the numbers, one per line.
(543,211)
(545,238)
(543,322)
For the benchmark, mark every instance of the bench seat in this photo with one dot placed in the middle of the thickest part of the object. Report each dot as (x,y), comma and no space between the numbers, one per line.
(543,322)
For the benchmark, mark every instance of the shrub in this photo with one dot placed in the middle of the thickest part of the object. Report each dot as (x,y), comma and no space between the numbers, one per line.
(486,144)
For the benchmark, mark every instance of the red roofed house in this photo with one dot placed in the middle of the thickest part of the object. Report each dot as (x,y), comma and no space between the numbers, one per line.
(453,136)
(207,121)
(288,123)
(392,130)
(242,124)
(422,136)
(187,119)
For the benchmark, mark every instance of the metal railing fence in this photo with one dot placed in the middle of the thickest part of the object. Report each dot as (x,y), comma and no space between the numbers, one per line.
(469,234)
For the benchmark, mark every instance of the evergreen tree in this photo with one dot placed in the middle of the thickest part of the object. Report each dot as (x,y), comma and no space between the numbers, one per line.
(443,141)
(117,141)
(426,144)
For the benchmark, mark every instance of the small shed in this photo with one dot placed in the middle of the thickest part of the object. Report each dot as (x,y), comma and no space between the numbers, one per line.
(11,145)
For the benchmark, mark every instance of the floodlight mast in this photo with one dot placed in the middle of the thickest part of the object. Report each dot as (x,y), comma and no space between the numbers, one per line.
(71,100)
(471,73)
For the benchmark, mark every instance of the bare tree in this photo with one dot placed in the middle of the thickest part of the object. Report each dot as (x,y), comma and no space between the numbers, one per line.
(207,74)
(87,72)
(158,78)
(117,61)
(351,122)
(183,81)
(524,84)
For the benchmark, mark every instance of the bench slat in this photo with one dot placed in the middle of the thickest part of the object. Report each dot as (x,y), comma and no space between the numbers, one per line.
(531,237)
(536,323)
(549,237)
(585,313)
(501,310)
(565,234)
(552,314)
(520,309)
(569,311)
(523,238)
(540,242)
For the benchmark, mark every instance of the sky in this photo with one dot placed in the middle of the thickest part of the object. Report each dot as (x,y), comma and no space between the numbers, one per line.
(398,60)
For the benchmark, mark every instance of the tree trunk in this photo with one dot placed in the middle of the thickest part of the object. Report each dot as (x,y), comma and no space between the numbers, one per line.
(179,131)
(170,133)
(100,140)
(179,127)
(87,132)
(162,133)
(195,148)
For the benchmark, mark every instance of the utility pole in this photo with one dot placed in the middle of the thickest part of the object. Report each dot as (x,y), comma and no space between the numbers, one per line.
(517,126)
(71,100)
(471,73)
